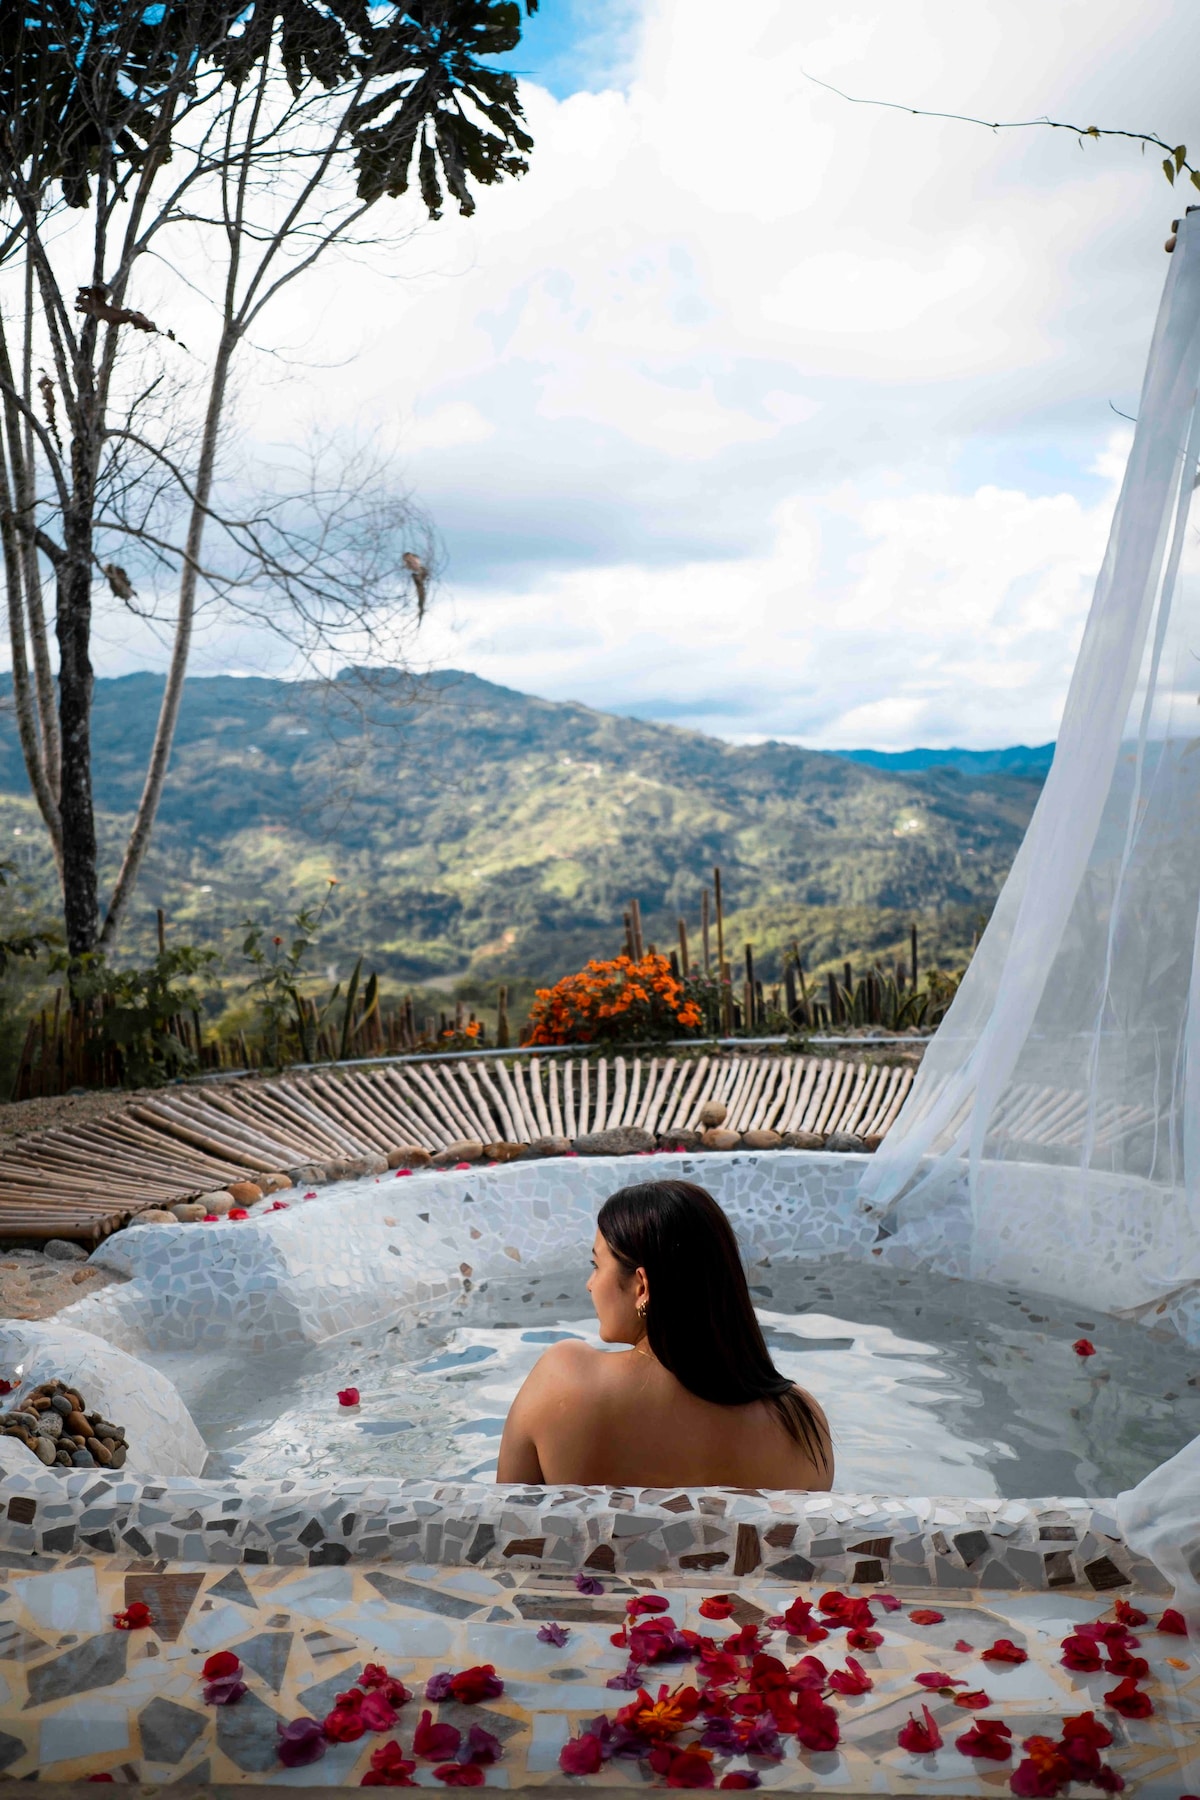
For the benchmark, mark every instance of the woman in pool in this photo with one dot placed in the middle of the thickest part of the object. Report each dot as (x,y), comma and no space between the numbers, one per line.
(697,1401)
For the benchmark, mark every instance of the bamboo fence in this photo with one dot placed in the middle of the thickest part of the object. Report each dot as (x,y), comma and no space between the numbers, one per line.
(86,1178)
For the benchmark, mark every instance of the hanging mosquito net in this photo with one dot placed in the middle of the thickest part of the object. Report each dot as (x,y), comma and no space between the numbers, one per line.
(1052,1138)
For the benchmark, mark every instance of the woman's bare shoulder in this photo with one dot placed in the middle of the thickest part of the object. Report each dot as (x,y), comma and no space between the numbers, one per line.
(568,1361)
(814,1405)
(823,1472)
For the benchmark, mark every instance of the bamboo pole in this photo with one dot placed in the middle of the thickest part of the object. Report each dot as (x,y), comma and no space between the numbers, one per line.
(618,1105)
(635,916)
(508,1125)
(720,923)
(534,1069)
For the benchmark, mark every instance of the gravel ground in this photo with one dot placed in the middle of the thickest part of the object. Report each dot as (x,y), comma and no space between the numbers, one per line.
(22,1118)
(34,1285)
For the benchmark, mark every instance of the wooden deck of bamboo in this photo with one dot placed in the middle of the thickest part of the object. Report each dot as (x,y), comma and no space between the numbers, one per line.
(83,1180)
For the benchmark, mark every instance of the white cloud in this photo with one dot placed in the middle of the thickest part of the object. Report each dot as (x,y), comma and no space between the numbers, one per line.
(926,617)
(769,413)
(446,427)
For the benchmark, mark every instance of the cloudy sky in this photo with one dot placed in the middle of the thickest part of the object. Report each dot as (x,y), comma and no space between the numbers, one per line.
(756,411)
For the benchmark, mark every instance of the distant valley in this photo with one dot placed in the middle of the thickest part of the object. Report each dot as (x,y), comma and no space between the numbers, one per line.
(478,834)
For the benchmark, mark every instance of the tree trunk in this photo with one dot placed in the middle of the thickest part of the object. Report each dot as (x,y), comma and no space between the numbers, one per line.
(81,912)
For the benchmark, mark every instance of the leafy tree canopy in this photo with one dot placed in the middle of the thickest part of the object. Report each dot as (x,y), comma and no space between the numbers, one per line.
(80,80)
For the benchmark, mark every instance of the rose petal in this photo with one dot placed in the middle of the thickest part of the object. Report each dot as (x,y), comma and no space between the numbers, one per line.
(301,1741)
(1004,1651)
(581,1755)
(921,1736)
(482,1746)
(220,1664)
(716,1606)
(225,1692)
(434,1741)
(460,1774)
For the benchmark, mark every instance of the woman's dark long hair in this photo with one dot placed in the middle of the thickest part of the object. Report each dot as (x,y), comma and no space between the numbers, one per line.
(700,1321)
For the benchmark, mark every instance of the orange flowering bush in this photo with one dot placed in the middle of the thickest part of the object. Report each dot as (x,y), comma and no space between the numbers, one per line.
(620,1001)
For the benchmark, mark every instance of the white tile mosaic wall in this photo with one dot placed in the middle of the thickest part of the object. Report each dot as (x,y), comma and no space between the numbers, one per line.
(378,1246)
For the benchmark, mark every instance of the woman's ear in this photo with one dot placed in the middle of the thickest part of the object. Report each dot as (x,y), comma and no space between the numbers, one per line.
(641,1289)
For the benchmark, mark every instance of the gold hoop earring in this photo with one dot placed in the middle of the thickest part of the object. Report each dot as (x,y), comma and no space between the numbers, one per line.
(642,1309)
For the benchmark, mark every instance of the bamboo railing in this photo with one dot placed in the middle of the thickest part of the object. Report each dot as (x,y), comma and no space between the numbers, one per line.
(86,1178)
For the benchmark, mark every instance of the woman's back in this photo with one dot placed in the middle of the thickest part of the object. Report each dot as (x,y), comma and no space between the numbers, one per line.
(621,1419)
(697,1401)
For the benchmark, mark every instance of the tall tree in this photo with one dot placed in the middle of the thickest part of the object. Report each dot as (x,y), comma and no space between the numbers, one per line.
(230,145)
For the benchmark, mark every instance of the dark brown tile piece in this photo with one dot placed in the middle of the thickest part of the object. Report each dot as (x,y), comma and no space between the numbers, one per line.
(747,1554)
(169,1597)
(1104,1574)
(881,1547)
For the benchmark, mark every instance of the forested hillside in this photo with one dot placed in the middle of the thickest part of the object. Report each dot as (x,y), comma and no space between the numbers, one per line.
(478,831)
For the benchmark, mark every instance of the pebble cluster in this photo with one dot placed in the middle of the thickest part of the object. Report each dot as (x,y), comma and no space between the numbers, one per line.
(222,1203)
(53,1422)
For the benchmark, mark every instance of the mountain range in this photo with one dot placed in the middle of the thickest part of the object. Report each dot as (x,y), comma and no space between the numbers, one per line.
(477,833)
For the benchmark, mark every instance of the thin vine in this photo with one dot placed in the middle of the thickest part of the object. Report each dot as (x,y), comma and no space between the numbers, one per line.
(1175,162)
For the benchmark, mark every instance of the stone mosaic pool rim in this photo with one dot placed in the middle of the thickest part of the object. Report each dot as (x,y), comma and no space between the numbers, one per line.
(298,1276)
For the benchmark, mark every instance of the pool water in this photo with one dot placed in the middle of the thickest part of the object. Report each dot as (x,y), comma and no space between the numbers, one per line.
(932,1386)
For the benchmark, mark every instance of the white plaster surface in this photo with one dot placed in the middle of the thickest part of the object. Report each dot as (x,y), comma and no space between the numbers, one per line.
(363,1250)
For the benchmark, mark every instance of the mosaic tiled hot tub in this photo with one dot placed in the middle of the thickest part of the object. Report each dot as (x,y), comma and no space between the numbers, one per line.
(321,1554)
(432,1294)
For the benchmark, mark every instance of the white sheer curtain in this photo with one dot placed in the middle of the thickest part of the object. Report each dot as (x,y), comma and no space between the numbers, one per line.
(1053,1133)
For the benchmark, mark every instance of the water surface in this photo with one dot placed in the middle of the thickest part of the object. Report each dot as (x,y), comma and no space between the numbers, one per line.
(931,1385)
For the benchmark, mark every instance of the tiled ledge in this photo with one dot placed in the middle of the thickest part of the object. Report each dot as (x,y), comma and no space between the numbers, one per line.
(80,1699)
(831,1539)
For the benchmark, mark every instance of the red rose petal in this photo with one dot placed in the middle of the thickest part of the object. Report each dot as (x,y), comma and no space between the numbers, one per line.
(1084,1347)
(717,1606)
(920,1736)
(1004,1651)
(220,1665)
(348,1396)
(925,1615)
